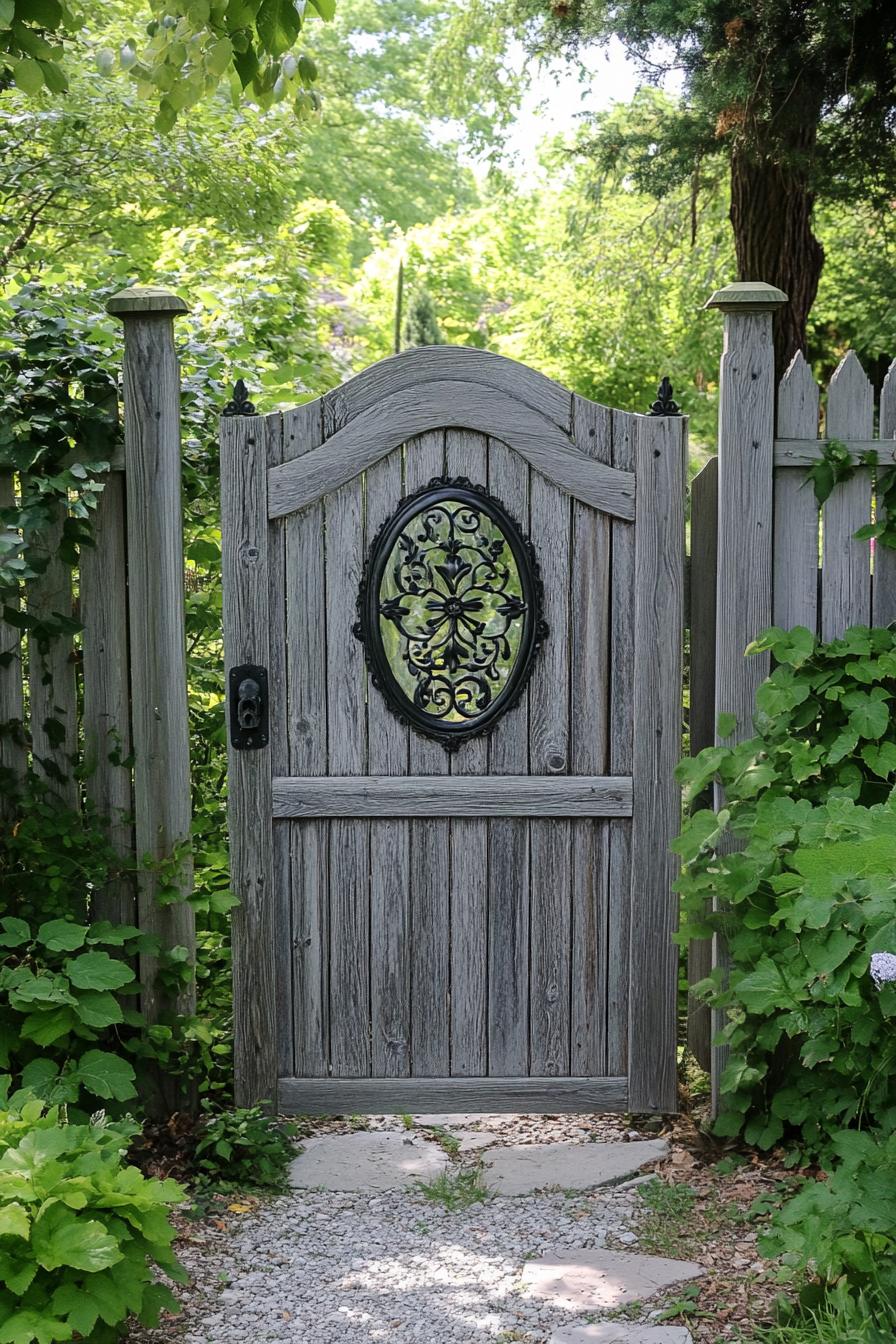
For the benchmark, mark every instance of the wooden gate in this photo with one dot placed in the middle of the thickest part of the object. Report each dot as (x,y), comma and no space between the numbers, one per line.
(486,927)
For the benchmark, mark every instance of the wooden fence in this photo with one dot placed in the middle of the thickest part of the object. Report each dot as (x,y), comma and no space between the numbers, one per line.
(763,551)
(127,672)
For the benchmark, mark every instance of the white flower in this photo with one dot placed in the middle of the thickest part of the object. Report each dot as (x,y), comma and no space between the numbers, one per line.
(883,968)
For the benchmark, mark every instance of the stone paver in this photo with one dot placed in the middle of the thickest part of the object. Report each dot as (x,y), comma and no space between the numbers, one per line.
(618,1332)
(585,1280)
(524,1168)
(366,1162)
(470,1139)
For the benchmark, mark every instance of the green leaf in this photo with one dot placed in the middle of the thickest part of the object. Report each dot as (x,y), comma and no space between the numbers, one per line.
(325,8)
(60,1237)
(869,712)
(97,970)
(14,1221)
(217,59)
(77,1306)
(99,1008)
(14,932)
(59,935)
(106,1075)
(726,724)
(33,1327)
(880,759)
(278,25)
(7,11)
(45,1028)
(29,77)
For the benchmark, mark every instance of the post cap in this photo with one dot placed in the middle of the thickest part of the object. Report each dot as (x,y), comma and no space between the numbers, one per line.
(747,296)
(145,299)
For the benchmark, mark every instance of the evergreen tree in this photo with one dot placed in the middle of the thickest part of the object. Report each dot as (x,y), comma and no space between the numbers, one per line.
(421,326)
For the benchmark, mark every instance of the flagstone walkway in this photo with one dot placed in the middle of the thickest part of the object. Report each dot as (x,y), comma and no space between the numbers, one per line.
(376,1241)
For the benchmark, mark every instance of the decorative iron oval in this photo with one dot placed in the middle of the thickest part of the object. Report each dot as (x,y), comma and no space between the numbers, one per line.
(450,611)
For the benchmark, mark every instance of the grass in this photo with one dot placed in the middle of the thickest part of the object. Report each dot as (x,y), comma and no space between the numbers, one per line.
(447,1141)
(456,1189)
(841,1319)
(677,1220)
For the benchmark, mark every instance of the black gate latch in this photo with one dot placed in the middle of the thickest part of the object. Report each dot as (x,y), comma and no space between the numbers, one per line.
(248,693)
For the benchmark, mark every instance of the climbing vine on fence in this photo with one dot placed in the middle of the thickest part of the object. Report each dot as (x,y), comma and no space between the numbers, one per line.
(836,465)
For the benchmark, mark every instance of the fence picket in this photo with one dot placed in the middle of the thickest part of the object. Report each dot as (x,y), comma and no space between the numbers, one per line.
(51,669)
(12,744)
(846,572)
(883,588)
(795,561)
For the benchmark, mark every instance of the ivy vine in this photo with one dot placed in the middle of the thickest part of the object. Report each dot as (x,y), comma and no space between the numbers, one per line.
(837,465)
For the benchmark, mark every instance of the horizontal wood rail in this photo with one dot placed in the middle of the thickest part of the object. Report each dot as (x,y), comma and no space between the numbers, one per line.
(400,1096)
(446,404)
(806,452)
(453,796)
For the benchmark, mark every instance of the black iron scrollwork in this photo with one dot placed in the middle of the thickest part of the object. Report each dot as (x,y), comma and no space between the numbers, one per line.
(239,403)
(665,404)
(450,611)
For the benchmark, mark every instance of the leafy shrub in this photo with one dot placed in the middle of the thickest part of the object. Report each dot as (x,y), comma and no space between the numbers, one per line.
(802,861)
(245,1149)
(79,1229)
(844,1227)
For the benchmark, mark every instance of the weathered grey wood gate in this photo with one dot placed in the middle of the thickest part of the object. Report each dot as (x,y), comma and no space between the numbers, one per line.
(489,927)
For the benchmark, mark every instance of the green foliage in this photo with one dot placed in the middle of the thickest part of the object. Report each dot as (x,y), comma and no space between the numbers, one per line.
(421,326)
(844,1227)
(456,1189)
(186,49)
(841,1318)
(244,1149)
(801,863)
(80,1231)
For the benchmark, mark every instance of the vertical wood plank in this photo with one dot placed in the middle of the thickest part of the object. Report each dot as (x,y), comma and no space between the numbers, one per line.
(795,567)
(12,742)
(659,592)
(846,570)
(107,710)
(622,678)
(347,751)
(704,559)
(244,562)
(278,730)
(883,606)
(589,752)
(51,668)
(390,913)
(430,855)
(306,673)
(746,524)
(466,456)
(508,838)
(159,712)
(550,513)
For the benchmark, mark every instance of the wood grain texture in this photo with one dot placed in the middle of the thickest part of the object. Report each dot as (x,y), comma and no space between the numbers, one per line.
(390,900)
(349,862)
(375,432)
(414,368)
(278,736)
(661,449)
(453,795)
(399,1096)
(589,751)
(51,669)
(704,559)
(466,455)
(159,716)
(244,563)
(508,838)
(846,566)
(795,567)
(622,679)
(107,691)
(802,453)
(550,864)
(306,706)
(13,753)
(883,590)
(430,855)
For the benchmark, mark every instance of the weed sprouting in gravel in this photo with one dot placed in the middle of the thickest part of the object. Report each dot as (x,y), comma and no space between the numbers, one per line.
(456,1189)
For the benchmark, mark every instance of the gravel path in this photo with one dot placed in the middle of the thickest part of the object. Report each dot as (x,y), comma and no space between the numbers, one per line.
(348,1268)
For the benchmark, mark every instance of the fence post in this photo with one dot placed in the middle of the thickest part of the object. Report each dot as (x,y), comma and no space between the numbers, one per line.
(159,718)
(12,712)
(744,575)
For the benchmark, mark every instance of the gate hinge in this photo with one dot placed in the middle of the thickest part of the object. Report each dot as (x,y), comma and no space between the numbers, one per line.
(248,695)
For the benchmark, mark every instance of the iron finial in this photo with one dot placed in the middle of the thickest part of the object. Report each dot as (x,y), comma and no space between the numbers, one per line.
(665,403)
(239,403)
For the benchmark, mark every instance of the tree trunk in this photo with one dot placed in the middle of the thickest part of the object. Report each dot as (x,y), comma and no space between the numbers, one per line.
(771,214)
